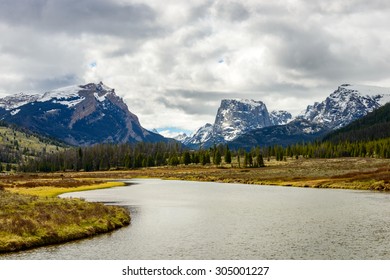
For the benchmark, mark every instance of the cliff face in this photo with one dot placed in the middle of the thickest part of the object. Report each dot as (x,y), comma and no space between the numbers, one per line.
(79,115)
(234,117)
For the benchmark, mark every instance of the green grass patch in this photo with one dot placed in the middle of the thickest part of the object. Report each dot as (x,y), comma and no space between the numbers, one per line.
(28,221)
(34,216)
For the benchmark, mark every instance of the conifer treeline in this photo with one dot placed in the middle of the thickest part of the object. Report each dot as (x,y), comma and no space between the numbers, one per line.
(327,149)
(129,156)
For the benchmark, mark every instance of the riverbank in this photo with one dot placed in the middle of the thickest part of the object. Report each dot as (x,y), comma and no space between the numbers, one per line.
(341,173)
(345,173)
(33,217)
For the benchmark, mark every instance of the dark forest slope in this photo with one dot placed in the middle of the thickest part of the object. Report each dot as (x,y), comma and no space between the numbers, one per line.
(375,125)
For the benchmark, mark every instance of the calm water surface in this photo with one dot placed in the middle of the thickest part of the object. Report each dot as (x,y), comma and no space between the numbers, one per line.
(197,220)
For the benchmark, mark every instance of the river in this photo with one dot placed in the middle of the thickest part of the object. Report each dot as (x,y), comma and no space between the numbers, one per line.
(200,220)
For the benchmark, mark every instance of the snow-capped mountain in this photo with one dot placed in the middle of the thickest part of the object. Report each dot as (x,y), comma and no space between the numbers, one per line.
(238,121)
(79,115)
(346,104)
(235,117)
(203,135)
(182,137)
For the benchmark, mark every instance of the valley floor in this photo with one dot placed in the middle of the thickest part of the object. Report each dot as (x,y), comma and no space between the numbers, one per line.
(346,173)
(29,206)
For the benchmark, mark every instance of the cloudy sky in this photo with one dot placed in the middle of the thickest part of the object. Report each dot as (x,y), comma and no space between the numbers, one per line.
(173,61)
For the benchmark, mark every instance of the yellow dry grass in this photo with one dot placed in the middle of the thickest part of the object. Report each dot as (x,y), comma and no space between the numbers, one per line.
(50,191)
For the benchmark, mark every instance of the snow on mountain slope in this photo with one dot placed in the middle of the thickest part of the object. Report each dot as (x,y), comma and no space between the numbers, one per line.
(79,115)
(202,135)
(14,101)
(65,93)
(234,118)
(346,104)
(382,94)
(280,117)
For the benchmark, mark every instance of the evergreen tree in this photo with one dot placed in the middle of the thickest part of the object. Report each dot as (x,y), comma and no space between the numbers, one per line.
(217,157)
(246,159)
(260,160)
(228,155)
(186,158)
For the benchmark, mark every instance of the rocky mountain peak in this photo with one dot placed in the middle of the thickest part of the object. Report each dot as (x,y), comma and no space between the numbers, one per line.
(346,104)
(236,116)
(181,137)
(79,115)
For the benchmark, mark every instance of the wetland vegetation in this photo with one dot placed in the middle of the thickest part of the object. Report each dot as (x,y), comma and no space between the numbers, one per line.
(33,216)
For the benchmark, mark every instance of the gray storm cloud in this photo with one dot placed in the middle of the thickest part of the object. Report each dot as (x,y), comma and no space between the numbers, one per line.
(182,57)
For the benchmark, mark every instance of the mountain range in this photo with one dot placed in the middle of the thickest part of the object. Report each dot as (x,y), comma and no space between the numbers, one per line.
(92,113)
(247,123)
(78,115)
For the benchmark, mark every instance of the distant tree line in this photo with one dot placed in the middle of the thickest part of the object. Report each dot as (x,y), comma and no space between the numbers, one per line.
(328,149)
(103,157)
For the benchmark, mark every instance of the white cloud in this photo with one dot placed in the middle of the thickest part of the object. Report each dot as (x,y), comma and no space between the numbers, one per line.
(173,61)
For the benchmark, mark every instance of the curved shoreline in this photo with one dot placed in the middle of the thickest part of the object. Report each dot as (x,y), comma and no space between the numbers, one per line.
(31,220)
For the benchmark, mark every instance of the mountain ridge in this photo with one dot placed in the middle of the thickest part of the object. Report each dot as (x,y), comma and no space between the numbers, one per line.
(346,104)
(79,115)
(375,125)
(235,117)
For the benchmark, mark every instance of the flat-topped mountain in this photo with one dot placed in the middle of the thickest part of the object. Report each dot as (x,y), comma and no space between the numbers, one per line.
(235,117)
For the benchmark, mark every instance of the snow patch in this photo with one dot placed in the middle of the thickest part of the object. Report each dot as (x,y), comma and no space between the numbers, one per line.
(14,101)
(14,112)
(68,96)
(382,93)
(99,98)
(71,103)
(52,111)
(61,93)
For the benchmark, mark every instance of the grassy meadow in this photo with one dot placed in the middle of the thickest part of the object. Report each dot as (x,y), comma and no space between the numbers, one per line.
(343,173)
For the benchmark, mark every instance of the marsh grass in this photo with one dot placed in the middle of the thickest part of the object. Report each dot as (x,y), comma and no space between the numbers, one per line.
(28,221)
(344,173)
